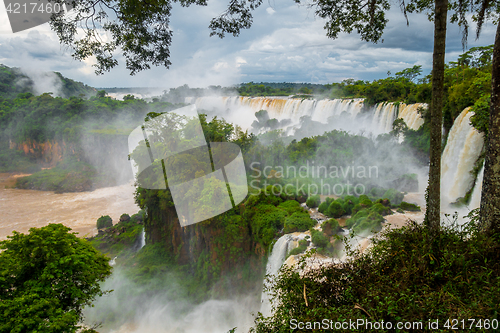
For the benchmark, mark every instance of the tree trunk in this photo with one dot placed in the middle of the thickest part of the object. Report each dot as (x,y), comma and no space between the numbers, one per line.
(433,210)
(490,196)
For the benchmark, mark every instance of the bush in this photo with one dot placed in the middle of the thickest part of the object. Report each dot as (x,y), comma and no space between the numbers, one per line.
(303,244)
(124,218)
(298,222)
(323,207)
(349,203)
(381,209)
(313,201)
(330,227)
(291,206)
(402,277)
(319,239)
(409,206)
(335,210)
(104,222)
(394,196)
(371,223)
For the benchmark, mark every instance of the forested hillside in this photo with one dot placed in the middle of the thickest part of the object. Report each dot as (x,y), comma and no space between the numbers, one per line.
(14,81)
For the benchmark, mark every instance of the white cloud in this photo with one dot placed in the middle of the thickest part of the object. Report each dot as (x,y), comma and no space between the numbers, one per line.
(286,43)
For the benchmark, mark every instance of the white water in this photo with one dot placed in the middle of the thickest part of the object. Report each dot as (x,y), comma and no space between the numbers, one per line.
(475,200)
(274,262)
(346,112)
(462,149)
(409,113)
(142,239)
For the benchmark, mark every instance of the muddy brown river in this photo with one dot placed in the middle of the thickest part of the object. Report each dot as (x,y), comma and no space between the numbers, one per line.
(21,210)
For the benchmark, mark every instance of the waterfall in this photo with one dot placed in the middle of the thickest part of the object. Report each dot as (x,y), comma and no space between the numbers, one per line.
(140,242)
(142,239)
(384,116)
(274,262)
(462,149)
(240,110)
(475,199)
(409,113)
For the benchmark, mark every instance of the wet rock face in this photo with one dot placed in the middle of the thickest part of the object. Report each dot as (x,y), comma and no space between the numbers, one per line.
(209,239)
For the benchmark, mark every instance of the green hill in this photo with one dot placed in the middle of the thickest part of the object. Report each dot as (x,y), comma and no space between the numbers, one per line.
(14,81)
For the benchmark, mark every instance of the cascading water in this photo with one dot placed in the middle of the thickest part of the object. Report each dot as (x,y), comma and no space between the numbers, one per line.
(142,239)
(462,149)
(475,199)
(241,110)
(409,113)
(274,262)
(384,116)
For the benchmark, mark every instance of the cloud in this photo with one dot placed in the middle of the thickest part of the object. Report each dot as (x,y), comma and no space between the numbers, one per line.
(286,43)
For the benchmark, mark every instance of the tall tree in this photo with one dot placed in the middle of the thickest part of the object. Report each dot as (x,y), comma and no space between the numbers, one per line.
(433,209)
(46,278)
(490,195)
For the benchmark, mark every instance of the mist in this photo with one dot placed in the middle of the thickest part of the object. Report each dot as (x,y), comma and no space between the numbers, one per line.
(41,82)
(138,307)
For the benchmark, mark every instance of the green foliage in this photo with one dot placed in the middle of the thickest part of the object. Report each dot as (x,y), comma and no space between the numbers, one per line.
(323,207)
(303,244)
(291,207)
(394,196)
(14,160)
(104,221)
(119,239)
(330,227)
(320,240)
(407,275)
(313,201)
(481,118)
(48,276)
(70,175)
(298,222)
(368,219)
(381,209)
(409,206)
(349,203)
(335,210)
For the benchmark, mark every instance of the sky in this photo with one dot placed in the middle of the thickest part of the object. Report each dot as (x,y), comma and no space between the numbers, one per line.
(287,43)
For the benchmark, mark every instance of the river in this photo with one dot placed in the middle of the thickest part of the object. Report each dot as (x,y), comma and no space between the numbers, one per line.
(21,210)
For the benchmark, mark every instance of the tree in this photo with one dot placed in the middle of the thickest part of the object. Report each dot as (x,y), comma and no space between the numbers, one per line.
(46,278)
(433,209)
(490,195)
(104,222)
(410,73)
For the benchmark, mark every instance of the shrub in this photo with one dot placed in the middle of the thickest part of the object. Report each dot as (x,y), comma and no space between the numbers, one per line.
(394,196)
(124,218)
(372,223)
(409,206)
(291,206)
(319,239)
(323,207)
(298,222)
(335,210)
(381,209)
(330,227)
(356,209)
(301,248)
(313,201)
(104,222)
